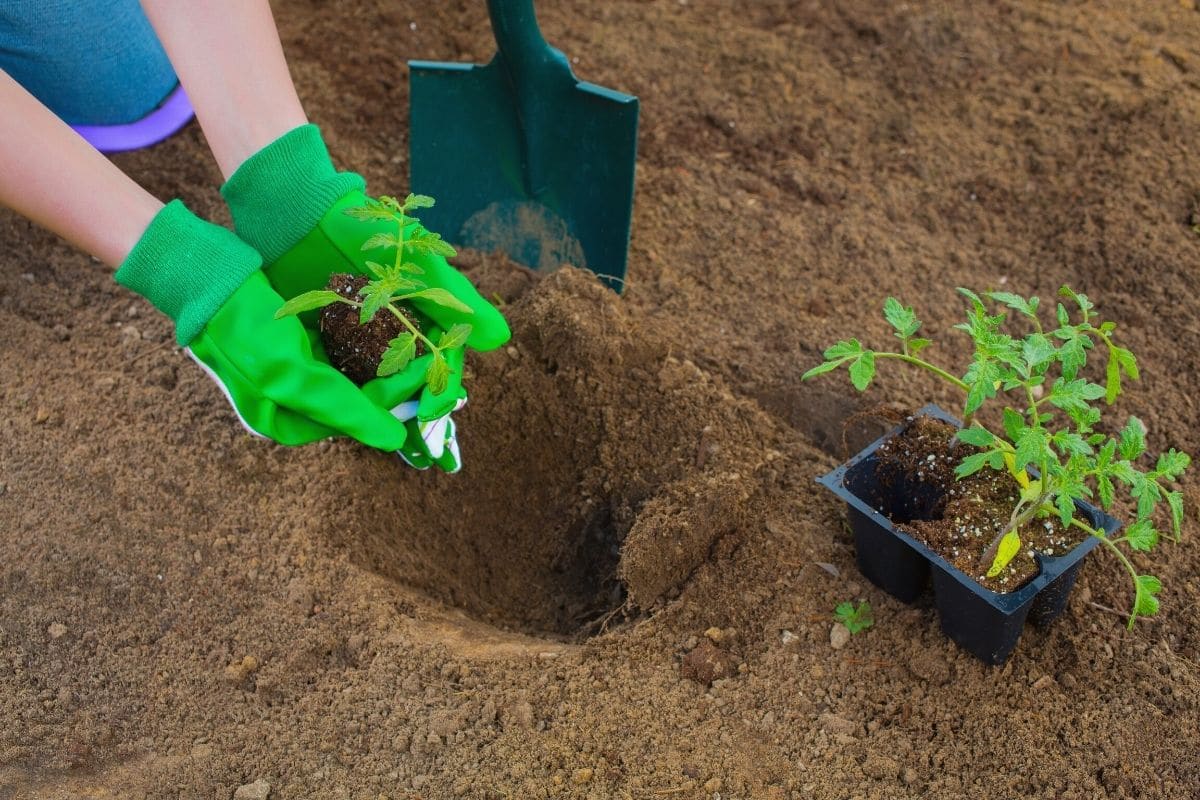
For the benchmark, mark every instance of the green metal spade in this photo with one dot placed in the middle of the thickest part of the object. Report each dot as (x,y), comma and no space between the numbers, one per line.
(522,156)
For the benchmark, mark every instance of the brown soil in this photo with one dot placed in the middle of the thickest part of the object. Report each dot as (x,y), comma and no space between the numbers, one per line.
(353,348)
(971,512)
(184,609)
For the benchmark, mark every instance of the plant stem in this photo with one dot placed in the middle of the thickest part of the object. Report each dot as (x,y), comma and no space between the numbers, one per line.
(1111,545)
(412,328)
(936,370)
(1013,524)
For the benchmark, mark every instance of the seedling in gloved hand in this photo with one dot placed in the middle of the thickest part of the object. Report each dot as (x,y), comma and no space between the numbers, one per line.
(356,342)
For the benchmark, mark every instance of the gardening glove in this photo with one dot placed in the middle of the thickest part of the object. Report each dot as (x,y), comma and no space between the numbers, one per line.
(211,285)
(290,203)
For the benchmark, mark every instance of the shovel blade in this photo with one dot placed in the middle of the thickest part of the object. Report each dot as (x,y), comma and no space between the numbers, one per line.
(562,194)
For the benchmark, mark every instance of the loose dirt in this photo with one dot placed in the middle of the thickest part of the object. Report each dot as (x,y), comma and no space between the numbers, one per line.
(185,610)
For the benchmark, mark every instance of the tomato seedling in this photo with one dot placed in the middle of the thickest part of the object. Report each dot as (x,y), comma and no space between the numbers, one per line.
(1048,442)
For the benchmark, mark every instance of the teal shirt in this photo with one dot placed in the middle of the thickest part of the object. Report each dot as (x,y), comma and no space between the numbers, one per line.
(91,62)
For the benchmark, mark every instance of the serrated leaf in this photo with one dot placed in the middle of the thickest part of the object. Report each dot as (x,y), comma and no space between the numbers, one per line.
(981,377)
(917,345)
(455,337)
(1031,491)
(1147,493)
(1128,363)
(856,620)
(843,349)
(862,370)
(438,374)
(1010,545)
(371,211)
(423,241)
(1141,535)
(1073,355)
(415,201)
(1104,488)
(307,302)
(1016,302)
(413,268)
(972,464)
(975,435)
(1112,380)
(1081,300)
(1070,443)
(1175,502)
(377,270)
(1145,603)
(974,298)
(1061,314)
(1066,507)
(1171,464)
(1074,394)
(1031,447)
(442,298)
(375,296)
(1131,442)
(821,369)
(903,319)
(400,352)
(1014,423)
(1038,350)
(378,240)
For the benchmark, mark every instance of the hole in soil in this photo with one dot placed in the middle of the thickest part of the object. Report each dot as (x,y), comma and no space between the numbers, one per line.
(598,473)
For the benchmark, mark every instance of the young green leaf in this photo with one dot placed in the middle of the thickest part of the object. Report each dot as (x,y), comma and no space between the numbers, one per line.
(438,374)
(455,337)
(375,296)
(378,271)
(423,241)
(1175,502)
(1145,604)
(1171,464)
(1016,302)
(1032,447)
(857,619)
(1009,546)
(1131,442)
(1141,535)
(975,435)
(307,302)
(843,350)
(862,370)
(901,318)
(917,345)
(371,211)
(972,464)
(378,240)
(1014,423)
(399,354)
(1075,394)
(416,201)
(821,369)
(442,298)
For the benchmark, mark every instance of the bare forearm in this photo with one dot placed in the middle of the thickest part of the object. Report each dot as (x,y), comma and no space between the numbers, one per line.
(228,56)
(53,177)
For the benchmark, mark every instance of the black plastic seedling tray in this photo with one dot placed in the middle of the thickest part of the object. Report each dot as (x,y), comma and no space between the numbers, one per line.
(983,622)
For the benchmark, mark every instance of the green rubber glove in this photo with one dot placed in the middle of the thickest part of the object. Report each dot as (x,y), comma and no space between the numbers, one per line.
(290,203)
(211,284)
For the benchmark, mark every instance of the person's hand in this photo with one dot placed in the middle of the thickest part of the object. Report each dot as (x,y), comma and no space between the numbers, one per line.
(336,245)
(211,284)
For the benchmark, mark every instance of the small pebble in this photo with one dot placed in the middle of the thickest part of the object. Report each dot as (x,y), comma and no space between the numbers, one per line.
(582,776)
(839,636)
(259,790)
(56,630)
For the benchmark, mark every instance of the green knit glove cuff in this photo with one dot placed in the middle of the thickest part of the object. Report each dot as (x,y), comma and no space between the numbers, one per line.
(279,194)
(187,268)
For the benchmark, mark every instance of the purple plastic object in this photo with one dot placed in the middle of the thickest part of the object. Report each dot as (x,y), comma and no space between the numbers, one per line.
(171,115)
